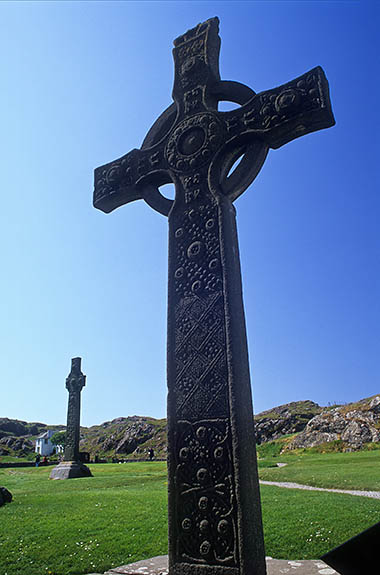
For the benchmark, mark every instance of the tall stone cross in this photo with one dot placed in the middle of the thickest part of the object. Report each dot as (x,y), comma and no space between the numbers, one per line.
(75,382)
(72,466)
(215,523)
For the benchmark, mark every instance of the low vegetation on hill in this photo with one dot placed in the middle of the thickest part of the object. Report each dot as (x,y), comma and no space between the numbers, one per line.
(352,426)
(126,436)
(294,426)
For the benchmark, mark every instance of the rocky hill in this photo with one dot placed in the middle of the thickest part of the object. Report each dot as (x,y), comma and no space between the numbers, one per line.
(17,437)
(132,436)
(285,419)
(352,425)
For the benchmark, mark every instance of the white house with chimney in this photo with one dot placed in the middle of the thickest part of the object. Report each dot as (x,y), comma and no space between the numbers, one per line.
(44,446)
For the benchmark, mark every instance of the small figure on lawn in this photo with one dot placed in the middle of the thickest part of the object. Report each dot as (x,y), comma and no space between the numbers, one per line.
(38,459)
(151,454)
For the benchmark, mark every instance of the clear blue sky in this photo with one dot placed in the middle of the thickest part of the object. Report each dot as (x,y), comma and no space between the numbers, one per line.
(81,83)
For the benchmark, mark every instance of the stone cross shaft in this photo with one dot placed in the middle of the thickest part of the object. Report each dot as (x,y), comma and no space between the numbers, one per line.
(215,525)
(75,381)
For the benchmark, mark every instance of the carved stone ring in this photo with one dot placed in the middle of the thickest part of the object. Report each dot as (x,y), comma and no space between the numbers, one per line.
(233,185)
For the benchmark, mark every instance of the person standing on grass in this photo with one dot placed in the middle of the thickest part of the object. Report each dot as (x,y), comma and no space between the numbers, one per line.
(38,459)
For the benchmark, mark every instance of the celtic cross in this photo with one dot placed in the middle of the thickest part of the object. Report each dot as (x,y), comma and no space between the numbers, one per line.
(75,382)
(214,502)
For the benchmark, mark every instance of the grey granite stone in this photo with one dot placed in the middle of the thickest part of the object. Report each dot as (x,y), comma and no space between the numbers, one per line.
(70,470)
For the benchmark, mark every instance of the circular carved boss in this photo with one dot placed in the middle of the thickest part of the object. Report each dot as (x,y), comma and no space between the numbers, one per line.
(194,142)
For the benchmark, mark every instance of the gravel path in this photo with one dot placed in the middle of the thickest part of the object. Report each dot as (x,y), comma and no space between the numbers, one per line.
(289,485)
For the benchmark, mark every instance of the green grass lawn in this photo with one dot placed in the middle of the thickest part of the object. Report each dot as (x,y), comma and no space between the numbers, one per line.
(356,470)
(120,515)
(82,525)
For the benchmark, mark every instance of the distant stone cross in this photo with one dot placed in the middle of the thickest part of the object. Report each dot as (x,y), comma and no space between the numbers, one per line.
(71,466)
(215,523)
(75,382)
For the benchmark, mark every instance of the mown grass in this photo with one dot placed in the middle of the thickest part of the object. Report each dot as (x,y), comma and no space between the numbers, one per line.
(306,524)
(356,470)
(82,525)
(120,515)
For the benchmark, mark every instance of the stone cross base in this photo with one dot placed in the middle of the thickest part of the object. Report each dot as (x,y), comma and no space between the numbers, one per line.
(70,470)
(159,566)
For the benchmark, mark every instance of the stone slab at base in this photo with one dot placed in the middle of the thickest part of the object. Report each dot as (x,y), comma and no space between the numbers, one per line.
(70,470)
(159,566)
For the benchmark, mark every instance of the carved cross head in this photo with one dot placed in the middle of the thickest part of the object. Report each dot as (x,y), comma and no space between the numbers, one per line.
(193,143)
(76,380)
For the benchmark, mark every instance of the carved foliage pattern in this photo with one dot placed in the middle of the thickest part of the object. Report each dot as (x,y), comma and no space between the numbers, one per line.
(205,498)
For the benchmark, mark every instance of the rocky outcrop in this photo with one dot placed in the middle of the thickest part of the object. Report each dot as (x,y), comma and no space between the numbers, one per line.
(285,419)
(354,424)
(19,428)
(17,437)
(134,435)
(17,443)
(12,426)
(125,436)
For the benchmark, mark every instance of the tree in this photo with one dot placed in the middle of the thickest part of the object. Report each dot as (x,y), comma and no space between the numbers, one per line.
(59,438)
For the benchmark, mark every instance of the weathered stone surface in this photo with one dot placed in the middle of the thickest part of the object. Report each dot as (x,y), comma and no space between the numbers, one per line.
(5,496)
(70,470)
(134,436)
(215,525)
(75,382)
(17,443)
(159,566)
(355,424)
(72,466)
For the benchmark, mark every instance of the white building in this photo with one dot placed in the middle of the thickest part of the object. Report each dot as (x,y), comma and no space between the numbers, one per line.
(44,446)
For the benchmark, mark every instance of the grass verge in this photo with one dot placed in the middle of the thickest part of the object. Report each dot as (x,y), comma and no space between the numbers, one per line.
(356,470)
(82,525)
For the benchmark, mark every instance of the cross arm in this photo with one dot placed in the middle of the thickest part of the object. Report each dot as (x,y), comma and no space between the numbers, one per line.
(129,178)
(287,112)
(196,61)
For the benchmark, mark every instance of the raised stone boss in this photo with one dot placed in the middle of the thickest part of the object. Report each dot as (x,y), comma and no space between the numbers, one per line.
(215,522)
